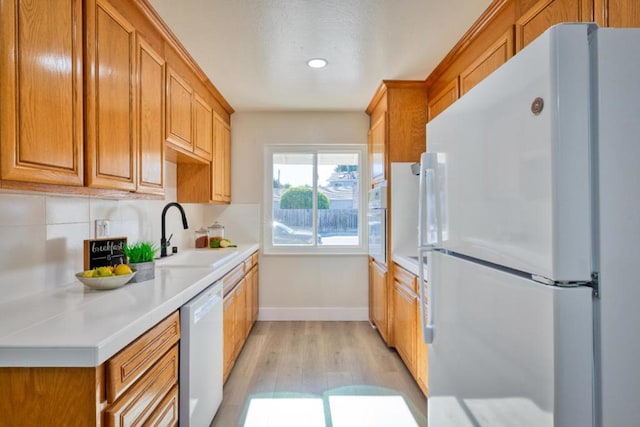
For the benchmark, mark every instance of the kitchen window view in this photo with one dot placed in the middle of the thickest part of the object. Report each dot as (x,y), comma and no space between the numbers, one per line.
(315,198)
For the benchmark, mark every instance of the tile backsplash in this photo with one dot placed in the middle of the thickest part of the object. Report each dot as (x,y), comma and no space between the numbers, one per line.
(42,234)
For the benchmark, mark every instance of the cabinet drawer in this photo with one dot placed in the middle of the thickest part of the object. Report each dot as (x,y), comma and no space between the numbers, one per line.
(138,404)
(166,414)
(250,262)
(233,277)
(127,366)
(406,278)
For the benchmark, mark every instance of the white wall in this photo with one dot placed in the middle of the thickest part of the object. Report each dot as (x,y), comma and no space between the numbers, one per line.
(298,287)
(42,235)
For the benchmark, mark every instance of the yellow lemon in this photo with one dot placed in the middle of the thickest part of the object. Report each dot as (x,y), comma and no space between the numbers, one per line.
(122,269)
(103,272)
(88,273)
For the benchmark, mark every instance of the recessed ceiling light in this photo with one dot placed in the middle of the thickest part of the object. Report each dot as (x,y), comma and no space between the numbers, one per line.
(317,63)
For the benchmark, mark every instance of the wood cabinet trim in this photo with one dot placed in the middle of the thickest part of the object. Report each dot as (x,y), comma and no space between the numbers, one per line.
(147,9)
(601,12)
(478,26)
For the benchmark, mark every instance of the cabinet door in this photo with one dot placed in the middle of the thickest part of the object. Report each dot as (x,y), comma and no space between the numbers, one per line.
(404,324)
(546,13)
(229,322)
(617,13)
(440,101)
(111,137)
(151,86)
(41,125)
(202,127)
(378,293)
(179,113)
(255,305)
(248,302)
(377,145)
(492,58)
(240,332)
(221,165)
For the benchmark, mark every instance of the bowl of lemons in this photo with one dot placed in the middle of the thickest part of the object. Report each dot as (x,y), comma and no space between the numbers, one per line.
(104,278)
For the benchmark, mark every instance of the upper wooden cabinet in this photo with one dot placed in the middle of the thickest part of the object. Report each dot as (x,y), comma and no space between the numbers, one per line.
(202,127)
(179,111)
(440,101)
(617,13)
(546,13)
(189,120)
(397,132)
(151,115)
(489,61)
(41,91)
(377,146)
(221,164)
(111,144)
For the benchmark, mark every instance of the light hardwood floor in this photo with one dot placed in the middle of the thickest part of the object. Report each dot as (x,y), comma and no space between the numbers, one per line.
(315,359)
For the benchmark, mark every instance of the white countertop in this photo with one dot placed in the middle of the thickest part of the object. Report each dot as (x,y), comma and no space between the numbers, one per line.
(410,264)
(78,326)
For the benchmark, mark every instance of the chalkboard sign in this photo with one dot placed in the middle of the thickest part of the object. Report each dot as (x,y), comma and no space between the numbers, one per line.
(104,252)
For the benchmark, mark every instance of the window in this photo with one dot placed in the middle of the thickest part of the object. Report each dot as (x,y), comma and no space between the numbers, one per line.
(314,200)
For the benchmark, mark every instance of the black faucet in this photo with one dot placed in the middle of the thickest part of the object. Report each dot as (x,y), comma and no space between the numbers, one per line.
(163,240)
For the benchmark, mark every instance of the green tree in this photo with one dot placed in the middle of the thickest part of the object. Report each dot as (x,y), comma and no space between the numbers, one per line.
(301,198)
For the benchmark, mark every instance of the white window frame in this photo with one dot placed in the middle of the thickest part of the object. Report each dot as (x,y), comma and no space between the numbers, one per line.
(269,151)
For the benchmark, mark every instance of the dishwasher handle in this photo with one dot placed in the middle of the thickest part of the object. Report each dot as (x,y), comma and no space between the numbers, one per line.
(205,302)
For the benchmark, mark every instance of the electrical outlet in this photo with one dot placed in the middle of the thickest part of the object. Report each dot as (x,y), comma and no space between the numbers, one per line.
(102,228)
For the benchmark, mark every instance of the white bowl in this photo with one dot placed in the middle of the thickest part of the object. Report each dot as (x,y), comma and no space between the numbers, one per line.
(104,283)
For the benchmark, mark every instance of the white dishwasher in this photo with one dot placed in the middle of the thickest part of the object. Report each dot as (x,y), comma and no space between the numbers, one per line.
(201,357)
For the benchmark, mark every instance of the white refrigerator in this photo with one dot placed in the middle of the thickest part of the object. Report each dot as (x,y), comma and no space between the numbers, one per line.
(529,217)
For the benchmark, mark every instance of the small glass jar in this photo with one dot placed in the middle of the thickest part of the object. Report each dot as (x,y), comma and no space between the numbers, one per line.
(202,238)
(216,230)
(216,233)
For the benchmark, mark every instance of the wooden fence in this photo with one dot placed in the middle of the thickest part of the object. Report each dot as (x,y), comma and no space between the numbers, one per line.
(331,221)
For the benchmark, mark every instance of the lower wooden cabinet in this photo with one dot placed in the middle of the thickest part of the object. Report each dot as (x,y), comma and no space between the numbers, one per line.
(406,325)
(378,299)
(422,364)
(136,387)
(137,405)
(240,309)
(405,306)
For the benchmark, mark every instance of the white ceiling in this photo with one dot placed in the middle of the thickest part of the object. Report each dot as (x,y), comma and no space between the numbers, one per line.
(255,51)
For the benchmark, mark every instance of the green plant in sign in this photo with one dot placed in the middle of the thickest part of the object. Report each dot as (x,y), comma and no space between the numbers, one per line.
(140,252)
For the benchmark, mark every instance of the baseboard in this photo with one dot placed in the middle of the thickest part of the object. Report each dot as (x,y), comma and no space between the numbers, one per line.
(314,313)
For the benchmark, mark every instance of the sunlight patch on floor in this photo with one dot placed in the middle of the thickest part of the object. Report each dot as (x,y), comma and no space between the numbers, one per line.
(370,411)
(285,412)
(336,411)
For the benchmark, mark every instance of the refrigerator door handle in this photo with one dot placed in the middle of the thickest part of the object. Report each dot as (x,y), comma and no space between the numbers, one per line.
(431,213)
(426,314)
